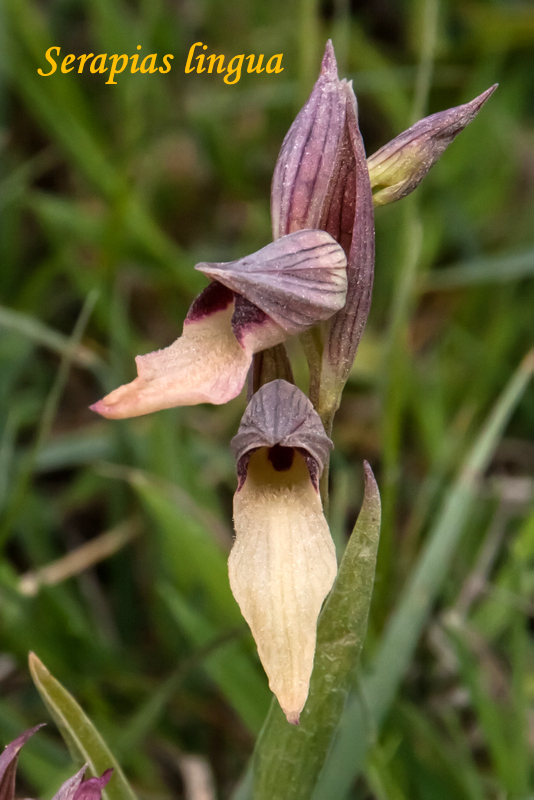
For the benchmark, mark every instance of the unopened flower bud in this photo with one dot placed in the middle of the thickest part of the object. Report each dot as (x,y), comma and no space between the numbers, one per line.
(400,166)
(321,181)
(253,303)
(305,172)
(283,561)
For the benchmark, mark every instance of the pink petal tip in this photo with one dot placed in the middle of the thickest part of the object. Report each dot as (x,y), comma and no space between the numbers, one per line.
(99,408)
(329,63)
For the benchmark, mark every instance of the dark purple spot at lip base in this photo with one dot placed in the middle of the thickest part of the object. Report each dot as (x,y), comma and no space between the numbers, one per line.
(246,315)
(281,457)
(215,297)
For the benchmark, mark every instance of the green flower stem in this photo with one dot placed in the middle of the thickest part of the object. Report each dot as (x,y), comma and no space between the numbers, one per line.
(288,759)
(328,399)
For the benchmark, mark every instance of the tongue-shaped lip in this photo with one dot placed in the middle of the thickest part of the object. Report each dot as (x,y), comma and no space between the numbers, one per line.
(281,567)
(283,561)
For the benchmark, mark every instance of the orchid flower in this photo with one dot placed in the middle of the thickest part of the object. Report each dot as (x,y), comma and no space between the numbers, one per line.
(283,562)
(251,304)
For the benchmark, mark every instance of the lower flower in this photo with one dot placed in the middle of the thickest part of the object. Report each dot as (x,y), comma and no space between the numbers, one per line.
(283,562)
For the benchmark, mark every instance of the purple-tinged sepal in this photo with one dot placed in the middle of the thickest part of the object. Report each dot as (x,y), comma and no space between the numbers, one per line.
(344,330)
(8,763)
(76,788)
(283,561)
(321,181)
(298,281)
(400,165)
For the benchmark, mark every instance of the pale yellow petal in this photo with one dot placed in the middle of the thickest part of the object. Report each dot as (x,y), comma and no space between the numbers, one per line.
(281,567)
(205,365)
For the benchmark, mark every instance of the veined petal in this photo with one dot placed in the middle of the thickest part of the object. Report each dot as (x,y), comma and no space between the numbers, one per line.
(281,567)
(310,154)
(207,364)
(299,280)
(280,414)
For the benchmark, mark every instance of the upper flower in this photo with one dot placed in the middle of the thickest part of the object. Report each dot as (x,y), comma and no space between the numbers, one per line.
(252,303)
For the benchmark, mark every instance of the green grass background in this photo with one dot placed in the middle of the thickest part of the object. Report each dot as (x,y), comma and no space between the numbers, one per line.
(109,195)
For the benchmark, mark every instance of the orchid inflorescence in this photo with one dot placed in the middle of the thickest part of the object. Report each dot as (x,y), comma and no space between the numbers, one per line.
(316,274)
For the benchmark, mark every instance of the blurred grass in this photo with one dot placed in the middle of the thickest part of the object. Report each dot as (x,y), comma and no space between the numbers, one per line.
(120,190)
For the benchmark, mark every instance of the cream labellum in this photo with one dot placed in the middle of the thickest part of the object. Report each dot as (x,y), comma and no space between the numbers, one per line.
(283,562)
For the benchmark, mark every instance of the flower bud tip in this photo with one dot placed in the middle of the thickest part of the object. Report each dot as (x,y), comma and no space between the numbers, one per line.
(293,717)
(400,165)
(329,63)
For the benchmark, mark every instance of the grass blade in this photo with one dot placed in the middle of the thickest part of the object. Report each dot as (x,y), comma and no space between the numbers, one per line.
(502,269)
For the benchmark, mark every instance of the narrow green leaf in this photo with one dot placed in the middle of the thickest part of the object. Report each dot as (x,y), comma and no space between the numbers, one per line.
(288,759)
(378,690)
(85,743)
